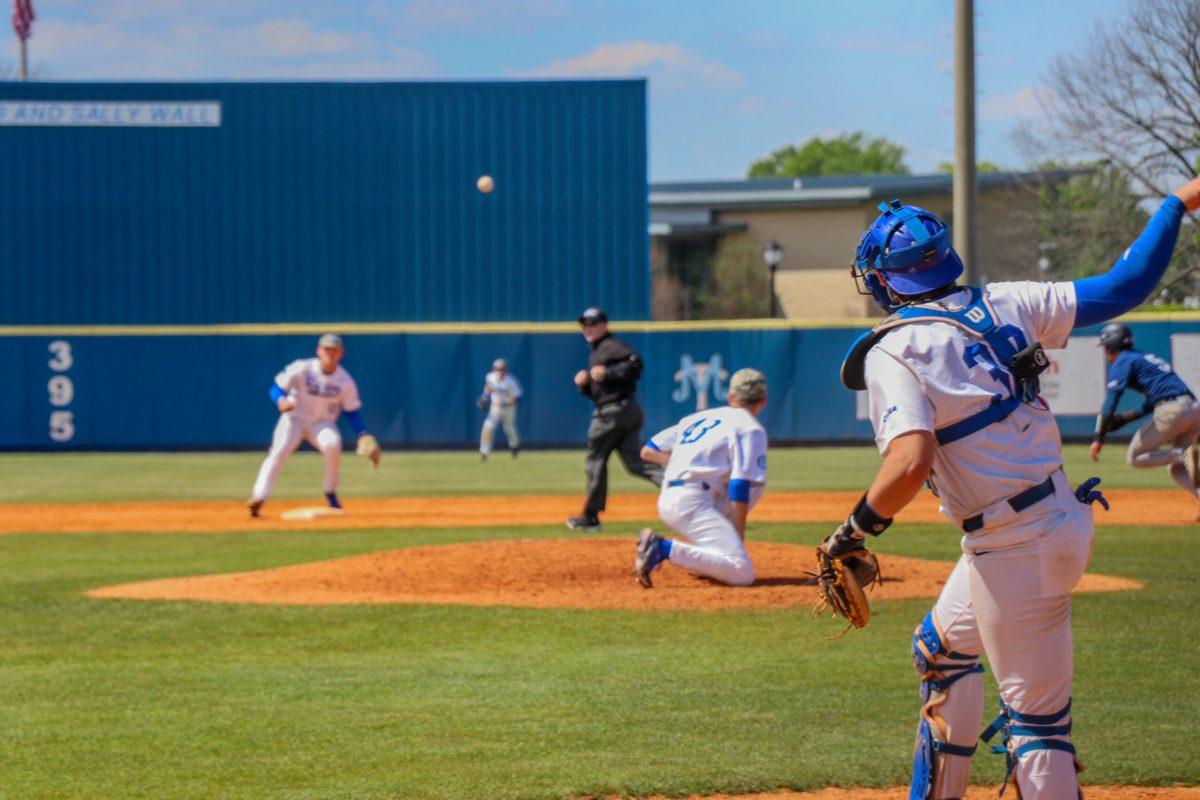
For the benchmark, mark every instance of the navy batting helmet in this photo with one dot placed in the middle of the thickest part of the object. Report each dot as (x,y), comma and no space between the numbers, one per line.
(1115,336)
(907,249)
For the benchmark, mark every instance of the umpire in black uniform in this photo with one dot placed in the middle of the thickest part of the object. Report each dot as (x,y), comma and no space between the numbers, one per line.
(611,382)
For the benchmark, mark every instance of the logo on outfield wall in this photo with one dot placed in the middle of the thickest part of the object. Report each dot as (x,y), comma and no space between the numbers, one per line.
(107,114)
(702,380)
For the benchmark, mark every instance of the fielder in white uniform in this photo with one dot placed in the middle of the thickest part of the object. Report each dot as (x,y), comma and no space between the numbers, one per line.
(311,393)
(952,381)
(500,394)
(716,470)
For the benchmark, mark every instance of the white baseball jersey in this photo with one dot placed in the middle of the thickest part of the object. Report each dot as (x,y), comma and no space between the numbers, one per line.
(319,397)
(718,446)
(925,376)
(502,389)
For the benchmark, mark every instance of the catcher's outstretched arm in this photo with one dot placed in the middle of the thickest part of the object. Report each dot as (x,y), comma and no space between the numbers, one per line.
(1136,273)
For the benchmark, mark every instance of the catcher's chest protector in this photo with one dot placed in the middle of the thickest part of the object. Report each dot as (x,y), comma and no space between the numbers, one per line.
(1018,361)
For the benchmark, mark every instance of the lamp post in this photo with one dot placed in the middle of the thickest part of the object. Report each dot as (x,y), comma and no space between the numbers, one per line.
(772,255)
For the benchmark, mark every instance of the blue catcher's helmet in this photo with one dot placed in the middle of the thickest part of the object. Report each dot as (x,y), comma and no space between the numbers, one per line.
(907,249)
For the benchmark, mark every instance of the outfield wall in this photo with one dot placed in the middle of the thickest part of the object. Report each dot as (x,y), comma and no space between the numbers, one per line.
(202,203)
(92,388)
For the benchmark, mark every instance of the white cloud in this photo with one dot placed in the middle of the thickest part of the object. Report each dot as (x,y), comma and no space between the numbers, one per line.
(290,38)
(672,65)
(751,105)
(1024,103)
(478,16)
(277,48)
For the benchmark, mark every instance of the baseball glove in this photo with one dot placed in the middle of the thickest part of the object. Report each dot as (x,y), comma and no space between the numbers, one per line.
(482,402)
(367,446)
(843,580)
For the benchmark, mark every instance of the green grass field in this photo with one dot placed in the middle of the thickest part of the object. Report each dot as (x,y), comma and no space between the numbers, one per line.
(126,477)
(131,699)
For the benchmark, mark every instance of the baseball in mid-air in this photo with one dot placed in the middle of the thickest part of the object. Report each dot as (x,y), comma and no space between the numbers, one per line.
(485,183)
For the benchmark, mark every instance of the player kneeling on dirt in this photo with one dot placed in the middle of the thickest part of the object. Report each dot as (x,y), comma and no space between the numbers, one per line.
(716,470)
(310,394)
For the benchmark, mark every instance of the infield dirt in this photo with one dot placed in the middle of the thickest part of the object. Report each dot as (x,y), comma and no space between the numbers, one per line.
(579,573)
(1129,507)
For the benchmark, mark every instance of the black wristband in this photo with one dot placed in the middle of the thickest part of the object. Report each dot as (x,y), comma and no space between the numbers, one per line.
(864,519)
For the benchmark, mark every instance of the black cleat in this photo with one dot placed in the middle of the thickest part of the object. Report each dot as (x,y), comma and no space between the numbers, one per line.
(584,523)
(254,506)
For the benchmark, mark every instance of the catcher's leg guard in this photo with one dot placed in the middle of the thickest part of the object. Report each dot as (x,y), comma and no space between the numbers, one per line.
(1022,735)
(952,691)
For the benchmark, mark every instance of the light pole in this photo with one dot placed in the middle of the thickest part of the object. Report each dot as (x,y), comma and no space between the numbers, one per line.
(772,255)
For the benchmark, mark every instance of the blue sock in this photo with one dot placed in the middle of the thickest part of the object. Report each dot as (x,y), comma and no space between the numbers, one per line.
(331,498)
(664,548)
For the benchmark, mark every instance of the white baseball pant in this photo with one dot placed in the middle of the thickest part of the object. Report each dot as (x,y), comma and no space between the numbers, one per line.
(498,414)
(714,548)
(1009,597)
(1175,422)
(289,432)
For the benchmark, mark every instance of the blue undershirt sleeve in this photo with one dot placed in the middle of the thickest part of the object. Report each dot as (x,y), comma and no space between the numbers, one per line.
(354,418)
(1136,273)
(276,393)
(739,491)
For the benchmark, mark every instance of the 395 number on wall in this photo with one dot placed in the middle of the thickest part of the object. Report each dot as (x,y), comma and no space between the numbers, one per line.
(61,391)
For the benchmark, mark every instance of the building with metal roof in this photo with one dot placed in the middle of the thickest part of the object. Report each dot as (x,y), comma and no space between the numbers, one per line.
(817,221)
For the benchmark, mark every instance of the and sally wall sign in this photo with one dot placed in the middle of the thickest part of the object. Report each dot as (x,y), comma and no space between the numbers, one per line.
(53,113)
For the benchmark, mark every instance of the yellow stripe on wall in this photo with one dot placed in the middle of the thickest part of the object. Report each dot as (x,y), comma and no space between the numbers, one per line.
(379,328)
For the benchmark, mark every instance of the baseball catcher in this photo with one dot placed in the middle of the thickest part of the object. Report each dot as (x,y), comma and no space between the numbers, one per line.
(952,383)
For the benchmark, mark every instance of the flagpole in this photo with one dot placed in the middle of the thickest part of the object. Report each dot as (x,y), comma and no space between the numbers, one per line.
(24,61)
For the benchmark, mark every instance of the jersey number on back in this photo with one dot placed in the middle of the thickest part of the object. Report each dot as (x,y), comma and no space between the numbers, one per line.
(980,354)
(1158,362)
(697,429)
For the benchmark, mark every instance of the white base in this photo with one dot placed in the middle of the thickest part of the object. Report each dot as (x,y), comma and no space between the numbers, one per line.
(311,512)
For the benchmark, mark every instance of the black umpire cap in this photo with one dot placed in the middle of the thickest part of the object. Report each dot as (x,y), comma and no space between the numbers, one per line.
(592,316)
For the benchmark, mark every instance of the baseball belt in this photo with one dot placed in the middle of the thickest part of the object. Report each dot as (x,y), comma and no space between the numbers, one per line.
(1019,502)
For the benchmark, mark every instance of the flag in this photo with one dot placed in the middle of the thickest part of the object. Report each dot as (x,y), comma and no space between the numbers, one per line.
(22,18)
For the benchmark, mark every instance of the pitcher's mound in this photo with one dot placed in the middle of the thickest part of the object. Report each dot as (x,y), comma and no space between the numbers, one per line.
(550,573)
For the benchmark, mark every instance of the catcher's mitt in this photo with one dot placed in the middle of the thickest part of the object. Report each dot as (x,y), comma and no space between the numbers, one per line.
(843,581)
(367,446)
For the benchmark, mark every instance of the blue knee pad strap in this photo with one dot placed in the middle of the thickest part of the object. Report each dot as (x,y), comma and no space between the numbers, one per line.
(925,760)
(939,669)
(1012,723)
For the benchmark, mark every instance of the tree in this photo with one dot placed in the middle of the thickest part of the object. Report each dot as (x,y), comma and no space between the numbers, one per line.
(981,167)
(846,154)
(1131,97)
(1084,223)
(740,285)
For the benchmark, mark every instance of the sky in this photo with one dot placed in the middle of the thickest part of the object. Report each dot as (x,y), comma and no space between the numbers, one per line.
(729,80)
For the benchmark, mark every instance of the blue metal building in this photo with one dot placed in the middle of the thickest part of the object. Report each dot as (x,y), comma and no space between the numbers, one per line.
(200,203)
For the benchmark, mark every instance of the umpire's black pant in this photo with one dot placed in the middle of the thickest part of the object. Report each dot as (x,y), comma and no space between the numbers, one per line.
(615,426)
